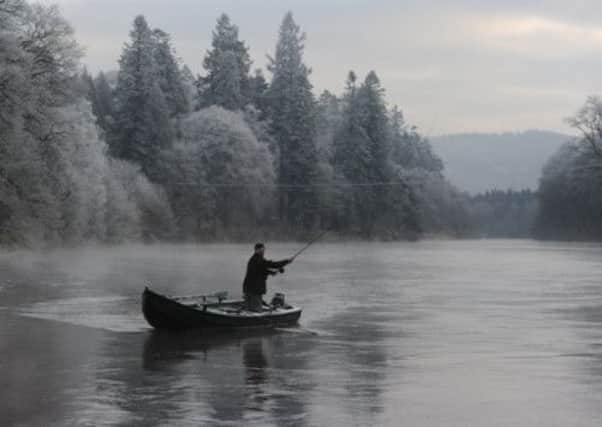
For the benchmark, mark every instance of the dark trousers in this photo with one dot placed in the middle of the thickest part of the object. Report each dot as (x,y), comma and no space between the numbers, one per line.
(254,302)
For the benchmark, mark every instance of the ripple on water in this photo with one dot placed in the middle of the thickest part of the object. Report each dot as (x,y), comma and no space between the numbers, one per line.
(112,313)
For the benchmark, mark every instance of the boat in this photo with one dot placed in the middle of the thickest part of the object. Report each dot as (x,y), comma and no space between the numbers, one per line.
(211,312)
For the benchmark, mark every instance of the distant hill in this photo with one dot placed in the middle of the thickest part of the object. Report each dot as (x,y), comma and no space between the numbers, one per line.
(477,162)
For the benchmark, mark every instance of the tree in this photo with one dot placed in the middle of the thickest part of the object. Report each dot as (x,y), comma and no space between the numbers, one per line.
(329,116)
(292,112)
(258,88)
(169,75)
(219,176)
(374,120)
(362,151)
(589,122)
(105,107)
(190,86)
(350,158)
(227,64)
(56,182)
(142,114)
(570,201)
(409,149)
(92,190)
(508,213)
(98,92)
(38,70)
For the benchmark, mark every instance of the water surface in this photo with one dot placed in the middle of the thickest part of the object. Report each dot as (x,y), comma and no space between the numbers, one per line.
(434,333)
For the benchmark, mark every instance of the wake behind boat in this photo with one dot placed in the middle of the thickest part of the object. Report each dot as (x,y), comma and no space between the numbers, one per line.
(202,312)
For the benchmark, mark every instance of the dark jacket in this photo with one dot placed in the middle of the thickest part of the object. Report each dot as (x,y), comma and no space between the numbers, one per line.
(258,270)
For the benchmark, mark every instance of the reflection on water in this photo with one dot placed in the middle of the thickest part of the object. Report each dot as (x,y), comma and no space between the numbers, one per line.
(492,333)
(256,364)
(240,376)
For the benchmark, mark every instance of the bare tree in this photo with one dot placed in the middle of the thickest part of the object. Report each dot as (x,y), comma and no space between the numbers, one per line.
(588,121)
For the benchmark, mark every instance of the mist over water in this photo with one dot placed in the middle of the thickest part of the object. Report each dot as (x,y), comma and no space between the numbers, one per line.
(437,333)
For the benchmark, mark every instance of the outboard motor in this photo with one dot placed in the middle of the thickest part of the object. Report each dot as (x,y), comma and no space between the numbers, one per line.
(278,301)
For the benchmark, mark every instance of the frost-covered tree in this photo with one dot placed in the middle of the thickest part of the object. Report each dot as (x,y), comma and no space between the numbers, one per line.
(409,149)
(588,121)
(261,129)
(329,117)
(142,113)
(227,65)
(258,88)
(362,152)
(105,107)
(89,90)
(220,176)
(570,200)
(56,182)
(190,86)
(389,183)
(374,121)
(97,199)
(293,116)
(170,77)
(14,60)
(38,59)
(98,92)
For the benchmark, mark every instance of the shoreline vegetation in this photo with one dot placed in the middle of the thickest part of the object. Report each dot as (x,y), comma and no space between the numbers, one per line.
(154,153)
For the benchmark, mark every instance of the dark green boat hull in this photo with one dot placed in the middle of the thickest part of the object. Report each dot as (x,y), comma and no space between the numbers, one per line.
(163,312)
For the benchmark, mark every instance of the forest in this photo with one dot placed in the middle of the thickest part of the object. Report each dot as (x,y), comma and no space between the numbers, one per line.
(153,151)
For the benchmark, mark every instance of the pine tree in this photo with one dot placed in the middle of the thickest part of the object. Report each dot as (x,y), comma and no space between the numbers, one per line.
(329,120)
(98,92)
(227,64)
(258,88)
(190,86)
(105,108)
(142,117)
(329,115)
(90,92)
(409,149)
(374,121)
(351,159)
(292,112)
(362,153)
(170,78)
(350,142)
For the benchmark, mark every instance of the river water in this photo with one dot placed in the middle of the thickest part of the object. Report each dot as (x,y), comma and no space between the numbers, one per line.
(433,333)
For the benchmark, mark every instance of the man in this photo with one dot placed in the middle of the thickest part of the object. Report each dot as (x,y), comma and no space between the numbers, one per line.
(258,270)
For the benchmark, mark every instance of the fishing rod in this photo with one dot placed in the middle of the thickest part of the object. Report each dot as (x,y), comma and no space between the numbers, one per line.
(300,251)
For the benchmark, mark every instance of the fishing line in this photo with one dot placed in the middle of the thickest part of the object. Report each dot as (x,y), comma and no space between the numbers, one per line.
(293,186)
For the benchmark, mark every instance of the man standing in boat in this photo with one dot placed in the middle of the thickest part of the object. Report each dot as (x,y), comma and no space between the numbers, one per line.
(258,270)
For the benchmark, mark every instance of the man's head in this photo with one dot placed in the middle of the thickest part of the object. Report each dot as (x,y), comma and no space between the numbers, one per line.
(259,248)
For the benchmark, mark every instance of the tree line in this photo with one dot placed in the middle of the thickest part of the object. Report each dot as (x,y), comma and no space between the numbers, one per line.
(503,214)
(155,152)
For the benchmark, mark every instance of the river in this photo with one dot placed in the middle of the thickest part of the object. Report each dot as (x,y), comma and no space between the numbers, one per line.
(432,333)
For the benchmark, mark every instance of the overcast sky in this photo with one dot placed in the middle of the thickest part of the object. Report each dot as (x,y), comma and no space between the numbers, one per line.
(452,66)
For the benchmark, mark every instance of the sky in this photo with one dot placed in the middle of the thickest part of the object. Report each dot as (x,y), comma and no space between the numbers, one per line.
(451,66)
